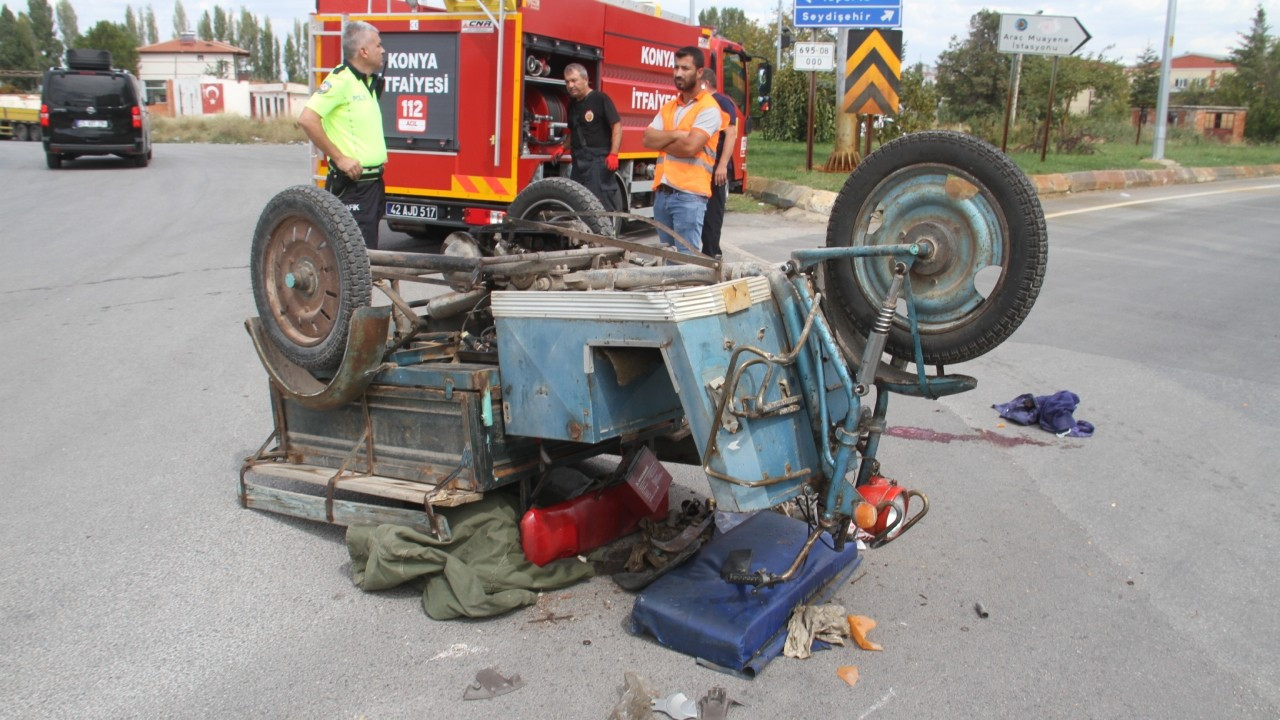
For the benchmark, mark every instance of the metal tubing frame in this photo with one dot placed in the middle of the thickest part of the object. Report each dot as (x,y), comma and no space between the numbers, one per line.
(839,501)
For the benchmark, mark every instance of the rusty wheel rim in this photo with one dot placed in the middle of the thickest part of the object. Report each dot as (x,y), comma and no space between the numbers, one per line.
(302,281)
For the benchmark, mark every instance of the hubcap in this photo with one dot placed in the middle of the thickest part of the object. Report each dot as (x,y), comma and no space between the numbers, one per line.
(301,280)
(959,219)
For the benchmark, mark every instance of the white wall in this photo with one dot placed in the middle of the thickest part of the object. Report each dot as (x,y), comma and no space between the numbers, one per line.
(171,66)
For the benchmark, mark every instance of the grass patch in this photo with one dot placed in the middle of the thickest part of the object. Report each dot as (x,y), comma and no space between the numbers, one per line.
(786,160)
(226,130)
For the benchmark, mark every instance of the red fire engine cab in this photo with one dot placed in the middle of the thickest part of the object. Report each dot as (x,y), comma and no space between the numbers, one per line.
(475,101)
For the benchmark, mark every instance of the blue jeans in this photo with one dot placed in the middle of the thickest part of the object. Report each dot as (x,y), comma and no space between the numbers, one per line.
(682,212)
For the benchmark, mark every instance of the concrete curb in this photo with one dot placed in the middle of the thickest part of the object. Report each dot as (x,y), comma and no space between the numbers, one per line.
(788,195)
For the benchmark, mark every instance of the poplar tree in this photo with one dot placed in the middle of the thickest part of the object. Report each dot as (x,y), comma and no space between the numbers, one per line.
(68,26)
(153,32)
(179,18)
(47,43)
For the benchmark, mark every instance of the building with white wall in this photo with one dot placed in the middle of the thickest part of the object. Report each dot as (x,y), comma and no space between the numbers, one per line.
(188,76)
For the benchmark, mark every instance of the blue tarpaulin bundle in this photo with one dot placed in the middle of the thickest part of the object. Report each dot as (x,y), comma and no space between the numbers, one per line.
(1054,413)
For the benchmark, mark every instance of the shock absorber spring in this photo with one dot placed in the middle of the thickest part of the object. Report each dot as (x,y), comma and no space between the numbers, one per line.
(879,334)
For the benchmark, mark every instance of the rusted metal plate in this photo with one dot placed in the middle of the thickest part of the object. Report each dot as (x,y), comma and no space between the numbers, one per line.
(366,345)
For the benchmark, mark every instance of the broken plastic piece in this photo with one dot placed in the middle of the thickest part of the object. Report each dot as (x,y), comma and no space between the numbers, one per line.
(848,673)
(490,684)
(678,706)
(637,699)
(859,626)
(715,704)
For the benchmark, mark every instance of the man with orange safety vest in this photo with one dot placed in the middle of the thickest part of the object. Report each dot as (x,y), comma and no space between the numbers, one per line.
(684,132)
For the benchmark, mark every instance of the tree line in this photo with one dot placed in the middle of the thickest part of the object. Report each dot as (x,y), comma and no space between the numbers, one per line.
(972,82)
(37,39)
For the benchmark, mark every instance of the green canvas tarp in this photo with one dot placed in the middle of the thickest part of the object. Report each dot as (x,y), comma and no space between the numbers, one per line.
(481,572)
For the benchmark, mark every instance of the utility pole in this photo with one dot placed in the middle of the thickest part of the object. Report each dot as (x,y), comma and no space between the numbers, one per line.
(778,65)
(1162,103)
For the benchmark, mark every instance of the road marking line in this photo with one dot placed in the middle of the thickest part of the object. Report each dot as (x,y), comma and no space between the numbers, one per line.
(1154,200)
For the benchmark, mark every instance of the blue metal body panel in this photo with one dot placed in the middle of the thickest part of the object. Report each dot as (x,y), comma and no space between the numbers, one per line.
(738,627)
(560,380)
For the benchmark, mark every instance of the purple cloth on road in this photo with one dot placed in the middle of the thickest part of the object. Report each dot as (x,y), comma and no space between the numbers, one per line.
(1054,413)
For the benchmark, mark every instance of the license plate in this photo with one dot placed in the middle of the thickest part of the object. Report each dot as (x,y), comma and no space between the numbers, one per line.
(409,210)
(91,124)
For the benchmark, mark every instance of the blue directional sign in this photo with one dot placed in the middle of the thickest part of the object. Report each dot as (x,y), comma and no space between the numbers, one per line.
(848,13)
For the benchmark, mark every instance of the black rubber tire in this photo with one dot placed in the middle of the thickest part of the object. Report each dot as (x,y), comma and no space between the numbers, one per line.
(20,132)
(35,133)
(943,181)
(546,198)
(307,236)
(142,159)
(53,160)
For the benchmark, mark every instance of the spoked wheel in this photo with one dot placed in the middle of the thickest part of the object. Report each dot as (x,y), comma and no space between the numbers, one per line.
(554,201)
(982,216)
(310,272)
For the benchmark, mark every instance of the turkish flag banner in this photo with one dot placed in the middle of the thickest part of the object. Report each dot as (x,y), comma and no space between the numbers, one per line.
(211,98)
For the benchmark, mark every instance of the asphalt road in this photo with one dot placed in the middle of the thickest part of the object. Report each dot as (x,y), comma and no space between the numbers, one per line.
(1126,575)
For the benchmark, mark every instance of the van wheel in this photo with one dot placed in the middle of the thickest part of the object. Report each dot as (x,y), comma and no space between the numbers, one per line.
(980,212)
(142,159)
(310,272)
(53,160)
(555,201)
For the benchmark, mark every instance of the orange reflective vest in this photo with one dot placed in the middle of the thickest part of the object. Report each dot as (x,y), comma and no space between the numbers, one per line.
(691,174)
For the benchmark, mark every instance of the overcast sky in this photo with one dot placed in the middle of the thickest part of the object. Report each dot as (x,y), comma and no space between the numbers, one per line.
(1120,28)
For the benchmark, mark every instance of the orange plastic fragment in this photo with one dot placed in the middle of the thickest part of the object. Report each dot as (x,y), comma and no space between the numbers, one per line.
(849,674)
(859,626)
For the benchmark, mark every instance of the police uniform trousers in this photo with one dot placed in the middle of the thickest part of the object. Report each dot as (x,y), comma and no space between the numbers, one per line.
(365,198)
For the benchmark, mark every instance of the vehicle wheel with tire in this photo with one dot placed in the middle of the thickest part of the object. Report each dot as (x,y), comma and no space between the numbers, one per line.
(555,201)
(142,159)
(310,272)
(20,132)
(53,160)
(35,133)
(980,212)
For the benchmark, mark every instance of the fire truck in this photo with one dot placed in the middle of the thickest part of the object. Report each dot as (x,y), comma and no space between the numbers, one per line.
(474,101)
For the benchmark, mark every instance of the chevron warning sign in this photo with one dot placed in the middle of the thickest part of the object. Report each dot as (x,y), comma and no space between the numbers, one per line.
(873,72)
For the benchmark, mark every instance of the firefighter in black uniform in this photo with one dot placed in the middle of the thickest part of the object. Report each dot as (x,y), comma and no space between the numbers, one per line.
(595,133)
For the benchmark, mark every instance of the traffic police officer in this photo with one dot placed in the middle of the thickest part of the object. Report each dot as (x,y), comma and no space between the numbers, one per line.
(344,120)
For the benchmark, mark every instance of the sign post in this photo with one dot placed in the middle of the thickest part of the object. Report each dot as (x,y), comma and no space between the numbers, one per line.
(1054,35)
(866,15)
(813,57)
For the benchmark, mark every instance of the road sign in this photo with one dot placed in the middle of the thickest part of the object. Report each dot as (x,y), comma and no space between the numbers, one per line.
(848,13)
(872,72)
(1041,34)
(815,56)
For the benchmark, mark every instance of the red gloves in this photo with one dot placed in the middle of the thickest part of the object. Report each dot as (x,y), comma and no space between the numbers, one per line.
(611,162)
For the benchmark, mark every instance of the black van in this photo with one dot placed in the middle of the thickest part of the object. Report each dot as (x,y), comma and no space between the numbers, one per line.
(88,108)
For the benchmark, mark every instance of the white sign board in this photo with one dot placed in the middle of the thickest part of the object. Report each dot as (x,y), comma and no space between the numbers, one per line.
(815,56)
(1041,34)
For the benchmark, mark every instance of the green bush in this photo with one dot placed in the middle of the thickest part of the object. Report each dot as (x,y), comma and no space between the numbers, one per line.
(789,117)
